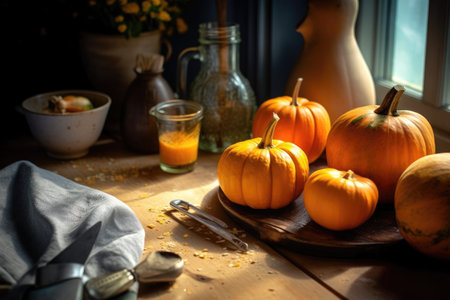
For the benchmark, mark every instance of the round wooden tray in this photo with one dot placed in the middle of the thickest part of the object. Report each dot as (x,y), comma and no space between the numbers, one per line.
(291,226)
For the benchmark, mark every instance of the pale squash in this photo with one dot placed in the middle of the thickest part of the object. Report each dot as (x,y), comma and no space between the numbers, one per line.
(422,205)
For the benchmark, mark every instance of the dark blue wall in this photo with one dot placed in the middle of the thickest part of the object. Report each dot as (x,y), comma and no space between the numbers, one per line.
(37,61)
(270,43)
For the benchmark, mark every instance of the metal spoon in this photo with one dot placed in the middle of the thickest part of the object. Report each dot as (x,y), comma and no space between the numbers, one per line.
(159,266)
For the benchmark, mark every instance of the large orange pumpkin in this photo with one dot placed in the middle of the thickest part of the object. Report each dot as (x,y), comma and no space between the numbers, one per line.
(339,200)
(263,173)
(302,122)
(422,205)
(379,142)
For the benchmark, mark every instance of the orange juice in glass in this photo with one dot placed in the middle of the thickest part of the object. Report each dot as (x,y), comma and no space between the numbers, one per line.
(178,133)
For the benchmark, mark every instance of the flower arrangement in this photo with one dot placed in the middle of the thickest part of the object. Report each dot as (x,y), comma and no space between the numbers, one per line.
(132,17)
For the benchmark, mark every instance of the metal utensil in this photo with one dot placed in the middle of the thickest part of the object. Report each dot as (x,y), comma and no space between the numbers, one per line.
(159,266)
(215,225)
(62,276)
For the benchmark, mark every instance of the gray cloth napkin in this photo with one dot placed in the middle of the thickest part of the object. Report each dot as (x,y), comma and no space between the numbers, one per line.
(41,213)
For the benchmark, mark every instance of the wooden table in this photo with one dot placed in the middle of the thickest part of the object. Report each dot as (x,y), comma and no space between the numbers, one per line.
(213,269)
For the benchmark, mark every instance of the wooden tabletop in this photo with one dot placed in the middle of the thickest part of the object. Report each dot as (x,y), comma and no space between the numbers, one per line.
(213,269)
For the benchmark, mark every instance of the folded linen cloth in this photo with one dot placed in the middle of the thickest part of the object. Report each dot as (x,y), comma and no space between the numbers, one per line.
(41,213)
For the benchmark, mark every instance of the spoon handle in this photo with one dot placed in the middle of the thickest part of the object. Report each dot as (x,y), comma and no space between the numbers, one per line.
(106,286)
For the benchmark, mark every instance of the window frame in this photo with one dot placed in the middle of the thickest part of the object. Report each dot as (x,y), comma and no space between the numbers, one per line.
(372,34)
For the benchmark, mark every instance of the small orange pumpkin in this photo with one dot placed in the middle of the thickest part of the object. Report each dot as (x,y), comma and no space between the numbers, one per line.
(379,142)
(263,173)
(302,122)
(422,205)
(339,200)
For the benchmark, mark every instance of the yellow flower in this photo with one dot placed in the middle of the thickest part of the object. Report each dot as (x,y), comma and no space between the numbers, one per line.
(131,17)
(181,25)
(164,16)
(146,6)
(131,8)
(174,9)
(122,28)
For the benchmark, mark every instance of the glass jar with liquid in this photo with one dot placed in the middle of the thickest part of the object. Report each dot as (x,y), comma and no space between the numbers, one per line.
(226,95)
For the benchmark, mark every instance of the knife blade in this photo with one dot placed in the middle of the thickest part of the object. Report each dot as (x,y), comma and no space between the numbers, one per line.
(61,278)
(79,250)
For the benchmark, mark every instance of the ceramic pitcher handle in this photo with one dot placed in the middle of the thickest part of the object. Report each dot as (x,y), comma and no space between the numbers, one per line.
(182,67)
(168,45)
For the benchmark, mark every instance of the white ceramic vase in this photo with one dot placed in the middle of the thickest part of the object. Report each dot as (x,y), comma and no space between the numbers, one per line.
(331,64)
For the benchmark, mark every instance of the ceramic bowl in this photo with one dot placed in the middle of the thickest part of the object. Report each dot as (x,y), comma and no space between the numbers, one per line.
(69,135)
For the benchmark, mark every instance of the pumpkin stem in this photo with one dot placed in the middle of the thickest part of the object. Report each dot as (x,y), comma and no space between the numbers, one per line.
(390,101)
(296,91)
(267,138)
(349,175)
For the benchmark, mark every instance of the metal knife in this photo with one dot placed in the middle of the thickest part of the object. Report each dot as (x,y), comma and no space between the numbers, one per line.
(61,278)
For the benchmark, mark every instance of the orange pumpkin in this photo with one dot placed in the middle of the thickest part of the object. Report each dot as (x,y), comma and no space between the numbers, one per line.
(422,205)
(302,122)
(263,173)
(339,200)
(379,142)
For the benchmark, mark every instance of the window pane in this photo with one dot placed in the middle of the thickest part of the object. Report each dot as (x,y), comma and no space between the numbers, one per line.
(409,44)
(446,103)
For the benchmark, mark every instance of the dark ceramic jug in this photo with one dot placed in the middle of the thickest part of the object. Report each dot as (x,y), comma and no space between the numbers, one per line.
(149,88)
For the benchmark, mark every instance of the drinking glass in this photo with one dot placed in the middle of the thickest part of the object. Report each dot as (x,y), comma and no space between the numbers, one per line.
(178,123)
